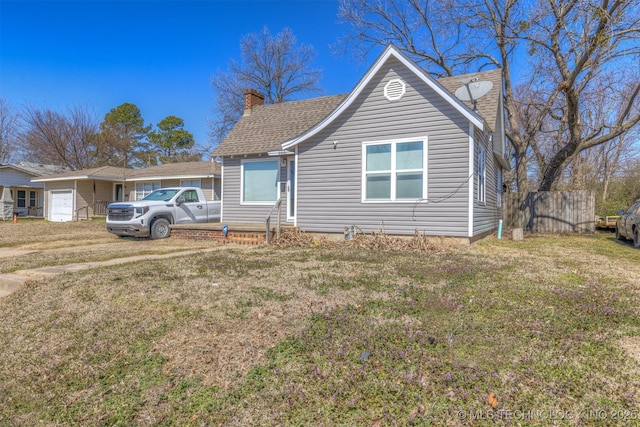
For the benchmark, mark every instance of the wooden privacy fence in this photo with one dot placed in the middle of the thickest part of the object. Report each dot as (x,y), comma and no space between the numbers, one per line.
(552,211)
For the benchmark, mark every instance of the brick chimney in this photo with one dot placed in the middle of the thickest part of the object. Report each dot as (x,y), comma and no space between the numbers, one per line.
(252,98)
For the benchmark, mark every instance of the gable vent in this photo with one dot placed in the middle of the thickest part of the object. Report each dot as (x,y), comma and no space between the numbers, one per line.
(394,90)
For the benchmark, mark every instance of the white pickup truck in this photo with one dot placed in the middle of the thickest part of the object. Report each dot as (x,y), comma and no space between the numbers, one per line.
(152,216)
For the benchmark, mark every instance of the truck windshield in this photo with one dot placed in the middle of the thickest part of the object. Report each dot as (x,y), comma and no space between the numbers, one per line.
(163,195)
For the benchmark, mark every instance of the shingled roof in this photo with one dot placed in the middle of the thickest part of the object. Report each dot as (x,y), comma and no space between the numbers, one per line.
(271,128)
(35,169)
(268,126)
(112,173)
(177,170)
(102,172)
(487,105)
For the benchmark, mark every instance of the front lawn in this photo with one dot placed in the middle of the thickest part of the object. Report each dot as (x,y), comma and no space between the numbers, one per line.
(546,330)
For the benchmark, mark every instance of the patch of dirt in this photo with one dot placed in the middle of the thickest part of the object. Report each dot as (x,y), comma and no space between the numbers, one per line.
(222,345)
(632,346)
(11,252)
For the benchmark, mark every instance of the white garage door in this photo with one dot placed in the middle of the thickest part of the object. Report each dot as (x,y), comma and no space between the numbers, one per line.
(61,206)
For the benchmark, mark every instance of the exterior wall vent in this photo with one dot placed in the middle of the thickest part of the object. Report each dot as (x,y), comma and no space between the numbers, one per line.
(395,90)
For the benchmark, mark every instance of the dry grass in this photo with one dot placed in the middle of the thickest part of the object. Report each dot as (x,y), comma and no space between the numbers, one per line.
(279,335)
(37,243)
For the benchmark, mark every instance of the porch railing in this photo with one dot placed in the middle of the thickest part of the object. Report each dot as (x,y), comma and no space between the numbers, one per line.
(99,208)
(275,208)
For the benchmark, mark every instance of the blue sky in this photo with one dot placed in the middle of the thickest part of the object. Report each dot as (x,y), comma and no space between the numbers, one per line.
(159,55)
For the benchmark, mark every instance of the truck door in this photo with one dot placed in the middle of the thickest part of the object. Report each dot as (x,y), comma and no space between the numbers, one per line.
(192,210)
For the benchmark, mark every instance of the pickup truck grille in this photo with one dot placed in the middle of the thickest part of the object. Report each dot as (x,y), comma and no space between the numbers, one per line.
(119,214)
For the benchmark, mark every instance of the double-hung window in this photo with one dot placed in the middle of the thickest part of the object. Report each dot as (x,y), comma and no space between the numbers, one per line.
(143,189)
(190,183)
(394,170)
(21,201)
(260,181)
(482,174)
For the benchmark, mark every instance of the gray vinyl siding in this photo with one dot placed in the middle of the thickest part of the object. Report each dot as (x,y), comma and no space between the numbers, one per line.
(487,214)
(18,180)
(329,180)
(232,210)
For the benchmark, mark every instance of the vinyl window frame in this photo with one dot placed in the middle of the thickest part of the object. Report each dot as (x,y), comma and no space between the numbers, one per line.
(243,178)
(481,171)
(394,171)
(144,191)
(33,198)
(21,200)
(191,183)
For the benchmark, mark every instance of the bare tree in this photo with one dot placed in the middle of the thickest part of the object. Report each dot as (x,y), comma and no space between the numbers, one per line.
(8,131)
(564,50)
(70,140)
(275,65)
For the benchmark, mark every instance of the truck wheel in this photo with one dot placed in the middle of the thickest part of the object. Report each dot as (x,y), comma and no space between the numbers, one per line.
(160,229)
(618,235)
(636,237)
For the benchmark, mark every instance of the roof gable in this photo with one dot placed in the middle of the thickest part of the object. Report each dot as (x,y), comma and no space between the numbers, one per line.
(278,127)
(389,52)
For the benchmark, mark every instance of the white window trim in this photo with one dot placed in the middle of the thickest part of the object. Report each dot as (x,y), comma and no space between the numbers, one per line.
(25,198)
(394,142)
(269,203)
(135,188)
(199,181)
(482,175)
(33,193)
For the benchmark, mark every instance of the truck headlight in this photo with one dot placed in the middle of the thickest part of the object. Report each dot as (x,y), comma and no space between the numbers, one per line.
(141,210)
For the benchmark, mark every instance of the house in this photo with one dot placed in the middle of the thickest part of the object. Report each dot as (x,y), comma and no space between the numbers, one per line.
(84,193)
(17,193)
(399,153)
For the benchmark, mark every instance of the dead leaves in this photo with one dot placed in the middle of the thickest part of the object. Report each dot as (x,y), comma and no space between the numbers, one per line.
(492,400)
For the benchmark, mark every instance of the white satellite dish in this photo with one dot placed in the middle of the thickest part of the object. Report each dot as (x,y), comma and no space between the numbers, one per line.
(473,90)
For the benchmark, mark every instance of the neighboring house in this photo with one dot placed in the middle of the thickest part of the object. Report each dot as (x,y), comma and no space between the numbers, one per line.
(399,153)
(23,196)
(85,193)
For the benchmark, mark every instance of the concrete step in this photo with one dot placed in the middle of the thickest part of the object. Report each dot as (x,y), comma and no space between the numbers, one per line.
(9,283)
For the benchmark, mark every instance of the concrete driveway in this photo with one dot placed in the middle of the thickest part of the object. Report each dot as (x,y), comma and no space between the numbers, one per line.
(11,281)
